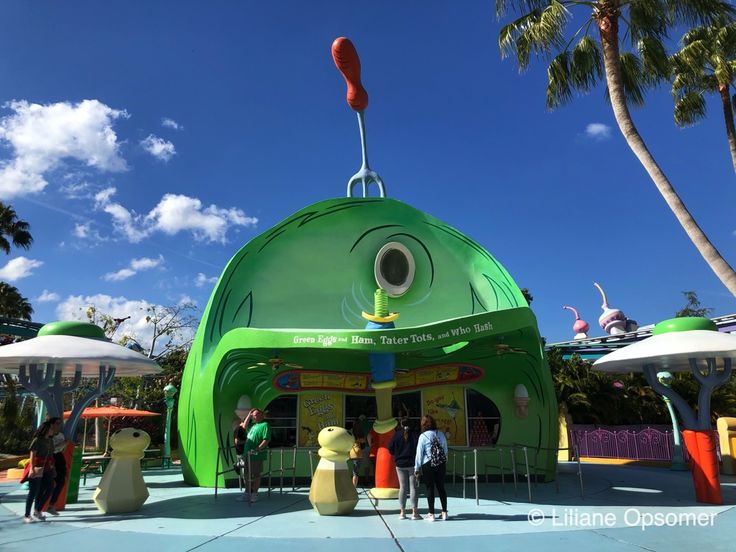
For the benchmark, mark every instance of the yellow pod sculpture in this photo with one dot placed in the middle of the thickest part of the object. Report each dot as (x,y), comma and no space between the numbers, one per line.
(122,489)
(332,492)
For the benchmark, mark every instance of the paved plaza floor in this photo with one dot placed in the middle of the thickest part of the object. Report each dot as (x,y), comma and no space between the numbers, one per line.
(624,509)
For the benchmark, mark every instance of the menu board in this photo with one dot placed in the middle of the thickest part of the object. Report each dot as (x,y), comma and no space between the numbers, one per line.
(447,406)
(318,410)
(351,382)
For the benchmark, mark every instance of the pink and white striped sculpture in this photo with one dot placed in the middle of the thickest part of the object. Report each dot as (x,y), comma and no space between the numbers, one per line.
(614,321)
(580,327)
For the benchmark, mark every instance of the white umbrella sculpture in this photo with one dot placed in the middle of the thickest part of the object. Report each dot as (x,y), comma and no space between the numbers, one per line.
(43,361)
(681,345)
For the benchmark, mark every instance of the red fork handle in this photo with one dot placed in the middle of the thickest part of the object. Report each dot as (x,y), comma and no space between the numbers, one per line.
(348,63)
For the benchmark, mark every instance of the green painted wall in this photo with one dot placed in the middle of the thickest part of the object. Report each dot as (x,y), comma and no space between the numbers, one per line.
(314,271)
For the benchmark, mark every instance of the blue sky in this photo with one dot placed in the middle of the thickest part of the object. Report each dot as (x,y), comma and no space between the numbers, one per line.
(146,142)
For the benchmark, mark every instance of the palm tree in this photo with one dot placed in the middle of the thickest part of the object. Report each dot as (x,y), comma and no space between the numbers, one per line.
(540,31)
(705,64)
(13,304)
(16,230)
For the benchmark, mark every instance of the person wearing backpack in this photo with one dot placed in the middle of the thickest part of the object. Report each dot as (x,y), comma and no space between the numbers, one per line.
(430,464)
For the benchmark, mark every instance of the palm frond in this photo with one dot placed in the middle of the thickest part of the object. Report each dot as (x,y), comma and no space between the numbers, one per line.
(586,66)
(647,18)
(503,6)
(700,12)
(692,57)
(690,108)
(537,32)
(685,82)
(696,33)
(722,69)
(559,90)
(633,78)
(655,64)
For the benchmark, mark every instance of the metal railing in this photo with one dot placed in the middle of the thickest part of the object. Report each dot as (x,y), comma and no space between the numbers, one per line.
(501,450)
(535,471)
(465,477)
(630,442)
(220,454)
(280,472)
(520,450)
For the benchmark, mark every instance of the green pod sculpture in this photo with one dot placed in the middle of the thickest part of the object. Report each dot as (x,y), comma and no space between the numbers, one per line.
(294,296)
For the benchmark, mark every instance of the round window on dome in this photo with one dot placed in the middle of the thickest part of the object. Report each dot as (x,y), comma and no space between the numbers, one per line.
(394,269)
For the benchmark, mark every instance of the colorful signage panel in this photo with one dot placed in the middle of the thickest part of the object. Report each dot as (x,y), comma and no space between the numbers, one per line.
(346,382)
(447,406)
(317,411)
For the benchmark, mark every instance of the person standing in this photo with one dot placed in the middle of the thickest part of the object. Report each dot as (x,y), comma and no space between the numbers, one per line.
(359,452)
(41,471)
(431,463)
(60,443)
(258,434)
(403,447)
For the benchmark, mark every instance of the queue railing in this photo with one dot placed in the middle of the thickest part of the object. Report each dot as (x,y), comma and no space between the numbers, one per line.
(277,464)
(573,450)
(455,451)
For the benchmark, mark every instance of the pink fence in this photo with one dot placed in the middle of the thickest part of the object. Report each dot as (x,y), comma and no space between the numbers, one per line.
(631,442)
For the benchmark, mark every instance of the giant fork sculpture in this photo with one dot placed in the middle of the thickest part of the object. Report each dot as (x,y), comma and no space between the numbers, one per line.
(348,62)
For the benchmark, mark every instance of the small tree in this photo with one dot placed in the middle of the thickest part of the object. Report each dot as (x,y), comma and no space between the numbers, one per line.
(13,230)
(13,304)
(15,421)
(527,295)
(177,323)
(693,306)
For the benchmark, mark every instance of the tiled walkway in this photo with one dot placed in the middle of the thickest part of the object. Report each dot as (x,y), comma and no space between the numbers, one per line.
(624,509)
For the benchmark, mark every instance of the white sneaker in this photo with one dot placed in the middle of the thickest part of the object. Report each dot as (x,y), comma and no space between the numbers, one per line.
(429,517)
(39,516)
(253,498)
(402,515)
(243,497)
(444,516)
(416,516)
(28,519)
(51,510)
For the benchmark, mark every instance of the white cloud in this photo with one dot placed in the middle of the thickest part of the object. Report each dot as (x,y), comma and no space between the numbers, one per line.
(146,263)
(171,123)
(120,275)
(158,147)
(186,300)
(74,188)
(75,307)
(42,137)
(82,230)
(136,266)
(598,131)
(18,268)
(87,234)
(174,213)
(201,280)
(47,297)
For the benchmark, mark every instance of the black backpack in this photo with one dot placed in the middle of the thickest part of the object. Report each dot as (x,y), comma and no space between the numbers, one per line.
(436,452)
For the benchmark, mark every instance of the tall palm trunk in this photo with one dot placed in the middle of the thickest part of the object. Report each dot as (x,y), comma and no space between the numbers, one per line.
(728,116)
(608,26)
